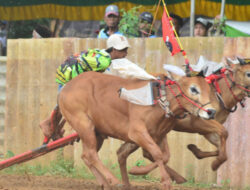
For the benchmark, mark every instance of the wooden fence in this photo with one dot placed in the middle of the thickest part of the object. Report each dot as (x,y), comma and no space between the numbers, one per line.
(31,95)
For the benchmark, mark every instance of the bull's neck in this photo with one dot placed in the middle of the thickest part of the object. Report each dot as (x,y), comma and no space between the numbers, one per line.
(228,95)
(228,98)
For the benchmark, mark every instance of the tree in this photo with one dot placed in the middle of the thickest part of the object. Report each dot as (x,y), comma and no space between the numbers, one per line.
(129,23)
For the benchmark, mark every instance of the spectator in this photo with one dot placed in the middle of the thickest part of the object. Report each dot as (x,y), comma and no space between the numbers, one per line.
(41,31)
(201,27)
(146,20)
(177,22)
(3,37)
(111,18)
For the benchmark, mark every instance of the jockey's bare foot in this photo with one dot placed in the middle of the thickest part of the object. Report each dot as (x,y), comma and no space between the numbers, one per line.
(45,127)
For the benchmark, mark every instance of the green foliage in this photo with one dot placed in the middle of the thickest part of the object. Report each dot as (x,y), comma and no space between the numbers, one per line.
(218,28)
(225,183)
(59,166)
(190,171)
(129,24)
(9,154)
(23,29)
(140,163)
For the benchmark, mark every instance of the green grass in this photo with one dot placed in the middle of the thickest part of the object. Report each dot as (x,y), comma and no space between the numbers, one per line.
(58,167)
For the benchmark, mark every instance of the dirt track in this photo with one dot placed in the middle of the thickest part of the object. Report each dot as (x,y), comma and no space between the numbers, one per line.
(26,182)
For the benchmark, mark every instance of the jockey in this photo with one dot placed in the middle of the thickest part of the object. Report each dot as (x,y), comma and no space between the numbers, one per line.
(91,60)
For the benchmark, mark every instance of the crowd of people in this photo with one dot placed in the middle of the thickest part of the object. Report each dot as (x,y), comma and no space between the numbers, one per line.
(112,17)
(110,26)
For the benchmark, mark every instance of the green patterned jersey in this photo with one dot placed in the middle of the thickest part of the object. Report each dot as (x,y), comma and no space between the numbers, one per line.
(91,60)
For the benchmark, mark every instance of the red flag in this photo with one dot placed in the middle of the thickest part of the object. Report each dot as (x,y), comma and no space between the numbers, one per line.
(168,35)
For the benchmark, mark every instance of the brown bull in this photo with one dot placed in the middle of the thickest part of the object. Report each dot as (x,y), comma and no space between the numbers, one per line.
(216,134)
(90,103)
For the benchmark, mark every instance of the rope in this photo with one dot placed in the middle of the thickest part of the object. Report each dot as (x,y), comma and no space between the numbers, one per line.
(188,99)
(169,82)
(178,101)
(241,87)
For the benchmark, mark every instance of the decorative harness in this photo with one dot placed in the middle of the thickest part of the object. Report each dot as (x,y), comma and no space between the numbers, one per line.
(214,78)
(160,96)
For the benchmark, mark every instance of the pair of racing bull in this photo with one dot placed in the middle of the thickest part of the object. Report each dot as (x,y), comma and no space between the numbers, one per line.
(90,103)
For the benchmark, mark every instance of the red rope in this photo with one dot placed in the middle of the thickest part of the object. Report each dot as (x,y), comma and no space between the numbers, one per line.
(178,101)
(241,87)
(188,99)
(214,79)
(170,82)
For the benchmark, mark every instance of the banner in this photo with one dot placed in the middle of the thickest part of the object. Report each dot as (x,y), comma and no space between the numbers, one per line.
(95,9)
(168,35)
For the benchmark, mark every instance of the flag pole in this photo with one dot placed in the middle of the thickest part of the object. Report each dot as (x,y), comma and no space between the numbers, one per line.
(151,28)
(188,68)
(222,10)
(192,18)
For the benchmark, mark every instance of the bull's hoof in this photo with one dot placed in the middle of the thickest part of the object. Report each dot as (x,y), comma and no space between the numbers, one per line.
(180,180)
(166,186)
(196,151)
(215,165)
(123,187)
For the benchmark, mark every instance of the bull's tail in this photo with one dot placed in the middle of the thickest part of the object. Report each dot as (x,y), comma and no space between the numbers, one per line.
(57,123)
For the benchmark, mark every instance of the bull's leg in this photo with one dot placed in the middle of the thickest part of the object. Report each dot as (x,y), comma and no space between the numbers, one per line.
(99,177)
(217,135)
(122,153)
(139,134)
(143,170)
(100,140)
(222,157)
(214,139)
(86,131)
(173,174)
(52,125)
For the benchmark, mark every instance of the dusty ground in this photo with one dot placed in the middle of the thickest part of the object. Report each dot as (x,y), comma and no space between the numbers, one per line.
(26,182)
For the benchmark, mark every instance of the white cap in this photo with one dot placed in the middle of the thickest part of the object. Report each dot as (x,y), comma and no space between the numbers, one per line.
(203,21)
(117,41)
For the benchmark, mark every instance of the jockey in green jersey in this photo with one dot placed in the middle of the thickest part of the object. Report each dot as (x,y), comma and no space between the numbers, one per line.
(91,60)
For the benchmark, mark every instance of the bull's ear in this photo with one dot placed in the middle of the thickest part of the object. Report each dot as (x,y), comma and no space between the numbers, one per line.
(230,62)
(174,69)
(241,61)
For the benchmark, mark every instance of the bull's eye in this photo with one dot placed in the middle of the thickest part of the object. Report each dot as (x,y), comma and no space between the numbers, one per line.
(248,74)
(194,90)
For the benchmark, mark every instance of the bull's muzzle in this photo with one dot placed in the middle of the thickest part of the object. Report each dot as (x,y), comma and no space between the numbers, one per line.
(211,113)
